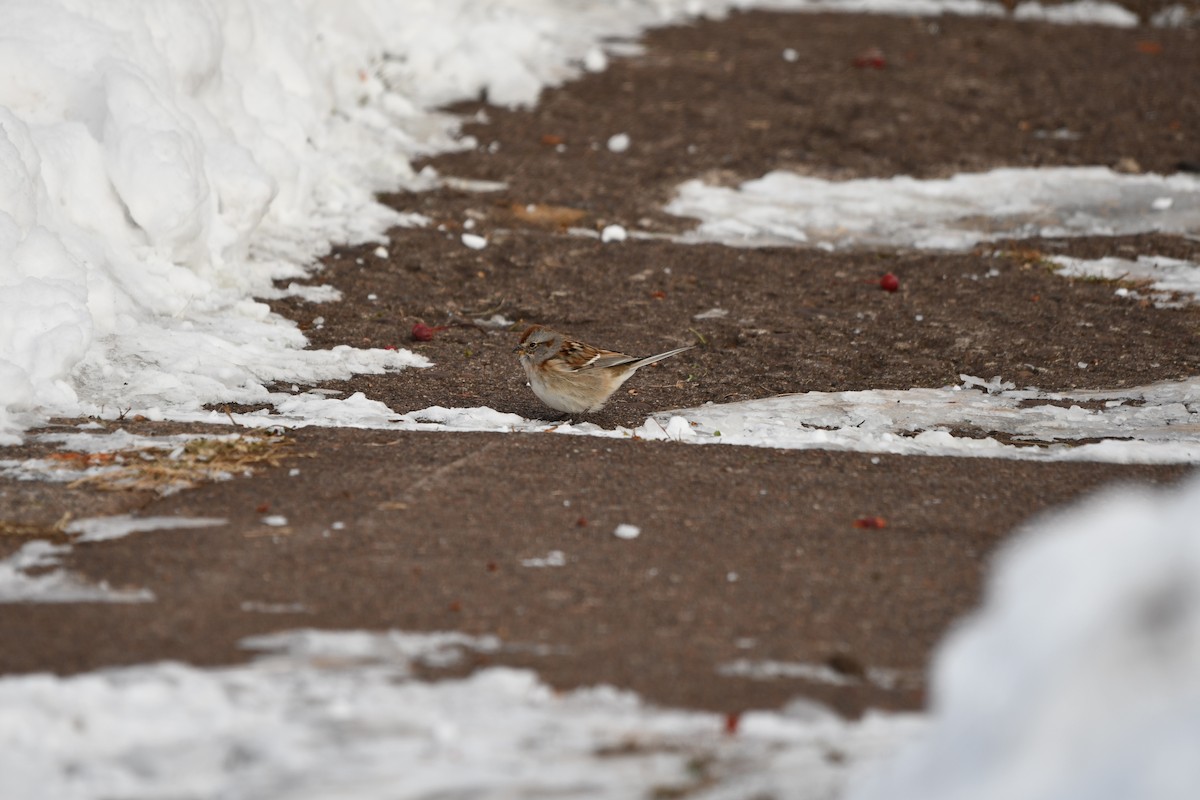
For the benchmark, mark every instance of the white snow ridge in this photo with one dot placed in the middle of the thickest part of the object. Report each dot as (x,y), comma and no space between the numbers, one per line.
(160,166)
(1080,677)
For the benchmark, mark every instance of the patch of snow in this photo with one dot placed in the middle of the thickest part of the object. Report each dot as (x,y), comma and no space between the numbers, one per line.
(495,322)
(555,558)
(121,439)
(1154,424)
(995,386)
(1176,16)
(1162,427)
(471,185)
(339,715)
(613,233)
(627,531)
(618,142)
(470,419)
(256,607)
(102,529)
(398,651)
(1080,12)
(907,8)
(474,241)
(950,214)
(31,575)
(678,429)
(1165,276)
(883,677)
(595,60)
(306,292)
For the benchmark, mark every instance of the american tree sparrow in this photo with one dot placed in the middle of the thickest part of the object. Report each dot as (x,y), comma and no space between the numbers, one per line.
(575,377)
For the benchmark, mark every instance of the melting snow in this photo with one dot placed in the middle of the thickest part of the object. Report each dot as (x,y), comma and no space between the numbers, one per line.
(951,214)
(31,575)
(1155,424)
(1078,13)
(555,558)
(101,529)
(817,673)
(1147,425)
(338,715)
(627,531)
(1164,277)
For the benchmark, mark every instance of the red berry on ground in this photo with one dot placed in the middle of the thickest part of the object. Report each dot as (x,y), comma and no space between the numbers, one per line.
(889,283)
(871,58)
(423,333)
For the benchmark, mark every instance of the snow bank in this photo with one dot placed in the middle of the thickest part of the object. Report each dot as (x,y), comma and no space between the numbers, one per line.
(1080,676)
(162,164)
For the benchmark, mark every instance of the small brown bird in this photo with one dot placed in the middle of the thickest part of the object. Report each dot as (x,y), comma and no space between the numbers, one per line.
(575,377)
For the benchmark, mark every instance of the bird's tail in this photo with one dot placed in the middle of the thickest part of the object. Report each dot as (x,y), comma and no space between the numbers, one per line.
(641,362)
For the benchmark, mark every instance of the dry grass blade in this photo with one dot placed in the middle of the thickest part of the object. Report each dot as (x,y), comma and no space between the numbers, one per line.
(41,530)
(545,215)
(197,461)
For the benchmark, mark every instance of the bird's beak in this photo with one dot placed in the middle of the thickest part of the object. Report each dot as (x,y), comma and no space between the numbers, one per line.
(519,348)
